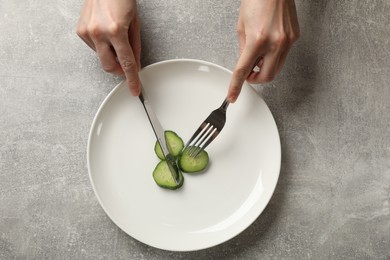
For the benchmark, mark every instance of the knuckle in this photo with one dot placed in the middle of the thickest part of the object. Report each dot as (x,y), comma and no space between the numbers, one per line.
(81,31)
(240,30)
(128,65)
(280,39)
(94,31)
(114,29)
(260,37)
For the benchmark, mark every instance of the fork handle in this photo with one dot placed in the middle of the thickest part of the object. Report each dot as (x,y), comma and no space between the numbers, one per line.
(224,105)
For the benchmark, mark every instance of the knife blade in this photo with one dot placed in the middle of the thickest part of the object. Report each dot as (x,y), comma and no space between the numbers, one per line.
(160,135)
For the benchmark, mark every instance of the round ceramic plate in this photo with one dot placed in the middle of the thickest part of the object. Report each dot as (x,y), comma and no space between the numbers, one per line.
(211,207)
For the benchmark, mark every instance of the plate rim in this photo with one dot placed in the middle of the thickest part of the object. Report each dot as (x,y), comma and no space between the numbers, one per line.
(90,137)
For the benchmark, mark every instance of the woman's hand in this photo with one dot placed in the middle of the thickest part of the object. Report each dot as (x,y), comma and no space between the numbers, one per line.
(266,31)
(112,29)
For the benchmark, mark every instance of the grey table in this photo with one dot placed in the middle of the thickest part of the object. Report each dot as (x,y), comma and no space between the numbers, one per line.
(331,104)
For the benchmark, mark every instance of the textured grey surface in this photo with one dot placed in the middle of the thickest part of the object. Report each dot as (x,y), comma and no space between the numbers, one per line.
(331,104)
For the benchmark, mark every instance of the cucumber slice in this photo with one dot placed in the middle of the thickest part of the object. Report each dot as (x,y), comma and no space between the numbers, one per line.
(162,176)
(174,143)
(191,165)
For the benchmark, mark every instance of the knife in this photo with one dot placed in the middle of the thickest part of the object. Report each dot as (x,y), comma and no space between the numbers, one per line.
(160,135)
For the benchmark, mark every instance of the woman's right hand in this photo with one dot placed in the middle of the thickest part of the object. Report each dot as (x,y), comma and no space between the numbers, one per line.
(266,31)
(112,29)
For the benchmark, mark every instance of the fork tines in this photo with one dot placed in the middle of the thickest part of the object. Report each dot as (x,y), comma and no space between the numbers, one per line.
(206,132)
(202,138)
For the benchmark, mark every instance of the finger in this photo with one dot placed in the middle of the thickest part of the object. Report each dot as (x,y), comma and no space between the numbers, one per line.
(82,32)
(128,63)
(269,66)
(243,68)
(108,58)
(82,26)
(241,35)
(135,41)
(268,69)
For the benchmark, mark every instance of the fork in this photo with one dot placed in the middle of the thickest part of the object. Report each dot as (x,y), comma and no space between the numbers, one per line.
(209,128)
(207,131)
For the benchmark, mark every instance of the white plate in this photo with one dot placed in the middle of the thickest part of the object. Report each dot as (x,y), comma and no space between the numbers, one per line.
(211,207)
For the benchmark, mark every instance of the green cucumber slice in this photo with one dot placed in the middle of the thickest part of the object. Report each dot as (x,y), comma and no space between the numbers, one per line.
(163,177)
(191,165)
(174,143)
